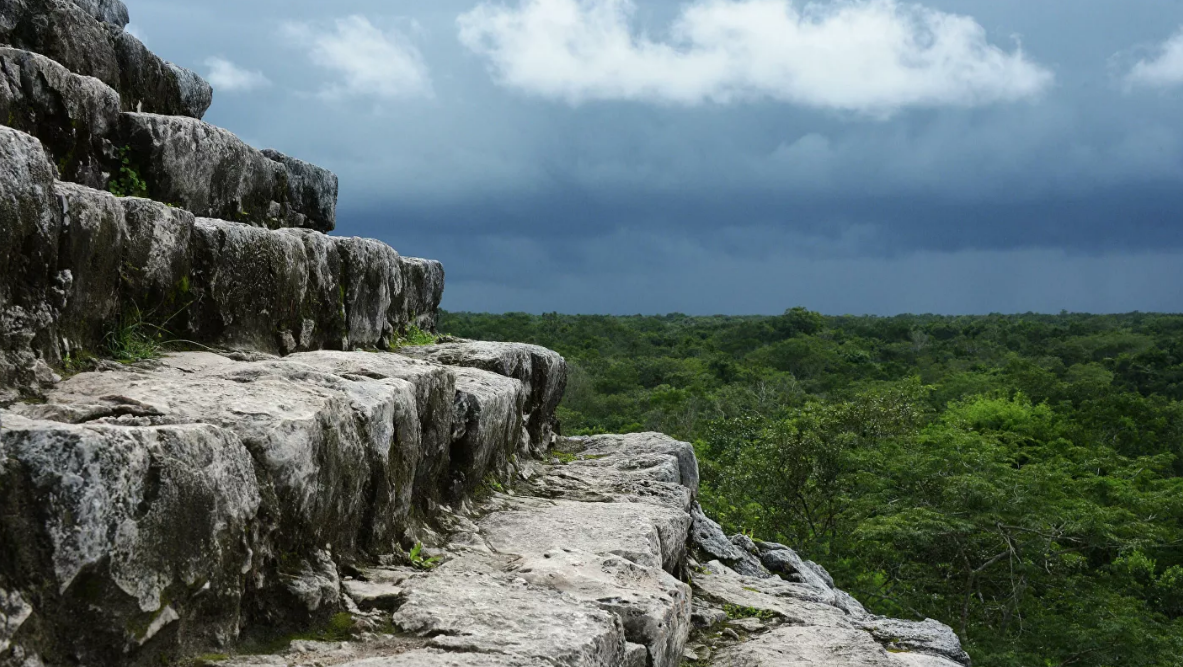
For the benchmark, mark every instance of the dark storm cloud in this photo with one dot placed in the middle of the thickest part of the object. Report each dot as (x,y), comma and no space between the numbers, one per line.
(604,197)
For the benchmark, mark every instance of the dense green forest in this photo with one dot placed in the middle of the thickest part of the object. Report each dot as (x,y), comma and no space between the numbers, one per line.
(1017,477)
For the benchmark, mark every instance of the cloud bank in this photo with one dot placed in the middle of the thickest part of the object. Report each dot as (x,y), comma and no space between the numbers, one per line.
(367,62)
(225,76)
(1164,70)
(867,56)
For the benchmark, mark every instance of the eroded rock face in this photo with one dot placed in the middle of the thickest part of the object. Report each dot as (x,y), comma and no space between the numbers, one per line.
(86,37)
(252,286)
(542,371)
(653,606)
(124,255)
(30,286)
(312,190)
(323,443)
(473,612)
(110,11)
(487,428)
(290,290)
(833,647)
(151,521)
(211,172)
(72,115)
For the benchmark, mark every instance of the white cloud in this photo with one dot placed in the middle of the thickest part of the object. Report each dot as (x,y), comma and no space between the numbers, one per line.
(368,61)
(870,56)
(1166,69)
(226,76)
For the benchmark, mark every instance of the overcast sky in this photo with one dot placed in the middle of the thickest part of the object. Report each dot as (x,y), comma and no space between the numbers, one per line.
(727,156)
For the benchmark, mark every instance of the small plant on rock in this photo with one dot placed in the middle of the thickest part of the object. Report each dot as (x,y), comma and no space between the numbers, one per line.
(414,337)
(735,611)
(421,562)
(128,183)
(135,339)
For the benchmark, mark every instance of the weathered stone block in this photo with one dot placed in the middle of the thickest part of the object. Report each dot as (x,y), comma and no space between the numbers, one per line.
(542,372)
(72,115)
(30,286)
(86,37)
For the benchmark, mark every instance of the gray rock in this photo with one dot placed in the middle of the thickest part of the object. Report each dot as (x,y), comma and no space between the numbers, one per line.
(315,583)
(541,371)
(920,660)
(494,614)
(86,38)
(72,115)
(372,284)
(705,615)
(789,565)
(820,572)
(373,595)
(110,11)
(642,467)
(635,655)
(928,636)
(313,191)
(30,285)
(420,306)
(655,536)
(487,428)
(746,543)
(322,443)
(708,538)
(748,625)
(833,647)
(426,451)
(430,657)
(123,255)
(63,31)
(152,85)
(251,285)
(653,606)
(103,545)
(211,172)
(796,603)
(640,444)
(14,611)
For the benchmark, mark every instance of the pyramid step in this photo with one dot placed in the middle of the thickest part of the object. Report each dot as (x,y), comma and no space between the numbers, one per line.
(109,11)
(72,115)
(70,33)
(209,171)
(543,372)
(77,262)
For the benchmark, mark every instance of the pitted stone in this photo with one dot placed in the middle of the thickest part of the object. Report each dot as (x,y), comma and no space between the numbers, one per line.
(72,115)
(501,614)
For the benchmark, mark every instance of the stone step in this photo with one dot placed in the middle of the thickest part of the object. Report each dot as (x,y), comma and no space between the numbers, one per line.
(276,471)
(69,33)
(74,116)
(211,172)
(77,261)
(179,161)
(542,371)
(109,11)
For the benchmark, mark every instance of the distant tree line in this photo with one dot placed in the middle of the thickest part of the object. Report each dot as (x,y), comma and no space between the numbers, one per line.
(1017,477)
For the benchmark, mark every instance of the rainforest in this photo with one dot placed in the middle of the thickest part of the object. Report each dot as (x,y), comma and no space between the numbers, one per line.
(1019,478)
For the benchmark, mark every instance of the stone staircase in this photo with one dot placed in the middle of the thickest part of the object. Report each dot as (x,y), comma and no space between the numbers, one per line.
(293,479)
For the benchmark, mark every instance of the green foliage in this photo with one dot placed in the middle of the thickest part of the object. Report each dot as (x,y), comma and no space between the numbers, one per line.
(737,611)
(419,561)
(414,337)
(135,338)
(128,183)
(1017,477)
